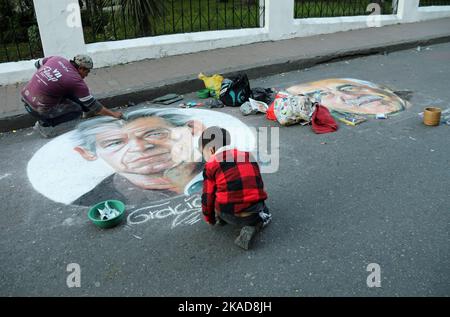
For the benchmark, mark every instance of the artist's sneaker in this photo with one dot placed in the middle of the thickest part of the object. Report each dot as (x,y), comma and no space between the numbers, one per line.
(266,217)
(245,238)
(51,132)
(45,132)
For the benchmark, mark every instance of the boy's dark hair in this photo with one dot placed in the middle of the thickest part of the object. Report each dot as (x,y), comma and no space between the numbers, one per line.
(214,137)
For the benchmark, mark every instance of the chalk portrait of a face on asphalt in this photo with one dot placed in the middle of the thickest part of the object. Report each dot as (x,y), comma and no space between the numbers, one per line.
(149,157)
(352,96)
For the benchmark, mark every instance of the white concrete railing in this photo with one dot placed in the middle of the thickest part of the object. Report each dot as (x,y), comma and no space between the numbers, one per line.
(62,34)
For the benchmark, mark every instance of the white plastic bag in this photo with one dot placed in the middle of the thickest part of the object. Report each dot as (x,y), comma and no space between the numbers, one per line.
(253,107)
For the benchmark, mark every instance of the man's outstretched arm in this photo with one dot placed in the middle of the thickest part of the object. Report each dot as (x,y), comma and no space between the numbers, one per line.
(106,112)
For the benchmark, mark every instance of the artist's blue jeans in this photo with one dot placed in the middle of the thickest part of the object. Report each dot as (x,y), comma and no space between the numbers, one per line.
(61,113)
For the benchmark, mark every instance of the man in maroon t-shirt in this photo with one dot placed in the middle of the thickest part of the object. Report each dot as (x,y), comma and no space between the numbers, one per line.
(57,93)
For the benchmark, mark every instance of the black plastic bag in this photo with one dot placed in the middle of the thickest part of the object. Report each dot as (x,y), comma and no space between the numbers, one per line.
(266,95)
(235,90)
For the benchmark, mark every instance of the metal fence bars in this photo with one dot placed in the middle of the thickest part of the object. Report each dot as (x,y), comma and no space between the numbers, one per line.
(109,20)
(337,8)
(426,3)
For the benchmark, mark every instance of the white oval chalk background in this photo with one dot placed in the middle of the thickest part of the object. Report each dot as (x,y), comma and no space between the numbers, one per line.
(62,175)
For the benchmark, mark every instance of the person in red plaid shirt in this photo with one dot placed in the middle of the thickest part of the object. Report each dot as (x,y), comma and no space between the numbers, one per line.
(233,189)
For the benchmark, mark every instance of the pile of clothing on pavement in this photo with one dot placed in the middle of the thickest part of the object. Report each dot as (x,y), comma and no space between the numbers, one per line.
(281,106)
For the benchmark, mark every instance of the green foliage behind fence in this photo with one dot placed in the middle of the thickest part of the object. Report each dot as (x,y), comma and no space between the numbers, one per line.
(19,33)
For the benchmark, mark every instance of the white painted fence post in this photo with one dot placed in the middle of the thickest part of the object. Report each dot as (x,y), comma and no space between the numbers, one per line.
(280,18)
(60,27)
(408,10)
(262,4)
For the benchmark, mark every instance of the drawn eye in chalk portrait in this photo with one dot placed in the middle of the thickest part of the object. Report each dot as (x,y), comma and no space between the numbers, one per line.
(348,95)
(150,160)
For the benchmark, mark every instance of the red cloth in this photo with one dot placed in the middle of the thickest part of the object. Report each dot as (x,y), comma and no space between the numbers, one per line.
(322,121)
(270,114)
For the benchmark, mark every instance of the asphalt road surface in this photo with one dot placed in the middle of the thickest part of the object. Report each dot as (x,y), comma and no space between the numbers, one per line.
(375,193)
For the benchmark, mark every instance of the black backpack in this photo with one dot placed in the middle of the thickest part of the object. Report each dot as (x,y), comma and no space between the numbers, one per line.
(235,90)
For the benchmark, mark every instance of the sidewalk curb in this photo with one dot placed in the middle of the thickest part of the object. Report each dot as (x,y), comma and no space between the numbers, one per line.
(189,84)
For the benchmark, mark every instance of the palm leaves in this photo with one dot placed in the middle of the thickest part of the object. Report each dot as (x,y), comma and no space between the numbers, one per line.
(140,13)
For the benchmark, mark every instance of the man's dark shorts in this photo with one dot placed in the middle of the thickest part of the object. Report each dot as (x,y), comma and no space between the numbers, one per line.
(67,110)
(251,220)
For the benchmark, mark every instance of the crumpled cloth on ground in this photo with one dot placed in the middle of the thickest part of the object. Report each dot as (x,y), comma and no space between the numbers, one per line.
(322,121)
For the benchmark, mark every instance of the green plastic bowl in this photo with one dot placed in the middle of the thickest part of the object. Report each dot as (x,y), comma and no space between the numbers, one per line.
(94,215)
